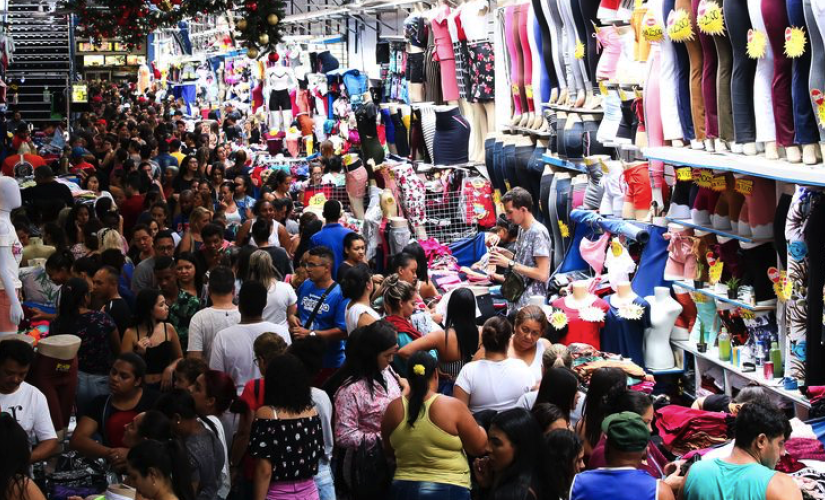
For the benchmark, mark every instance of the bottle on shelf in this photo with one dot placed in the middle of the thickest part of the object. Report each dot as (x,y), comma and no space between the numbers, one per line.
(724,345)
(776,358)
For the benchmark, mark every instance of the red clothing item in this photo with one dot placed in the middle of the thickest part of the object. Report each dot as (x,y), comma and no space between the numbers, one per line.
(131,209)
(81,166)
(677,424)
(11,161)
(254,399)
(116,426)
(579,330)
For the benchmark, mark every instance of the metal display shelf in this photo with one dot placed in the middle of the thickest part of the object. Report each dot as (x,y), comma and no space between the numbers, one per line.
(772,385)
(744,239)
(757,166)
(559,162)
(723,298)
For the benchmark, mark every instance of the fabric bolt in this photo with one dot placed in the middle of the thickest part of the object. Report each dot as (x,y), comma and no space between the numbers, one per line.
(744,69)
(775,16)
(550,8)
(638,191)
(623,335)
(805,449)
(815,20)
(452,136)
(678,426)
(799,261)
(804,123)
(762,95)
(709,73)
(578,329)
(668,104)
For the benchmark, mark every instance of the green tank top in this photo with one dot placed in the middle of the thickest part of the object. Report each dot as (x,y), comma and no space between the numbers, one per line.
(720,480)
(428,453)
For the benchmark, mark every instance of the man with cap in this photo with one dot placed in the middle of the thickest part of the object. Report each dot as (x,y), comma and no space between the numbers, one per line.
(79,164)
(627,438)
(332,234)
(749,472)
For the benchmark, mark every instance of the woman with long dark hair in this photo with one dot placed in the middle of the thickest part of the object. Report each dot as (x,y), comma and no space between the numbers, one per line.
(430,436)
(509,472)
(201,438)
(560,386)
(369,385)
(99,339)
(15,483)
(214,392)
(562,458)
(160,471)
(603,382)
(357,286)
(187,175)
(287,439)
(152,337)
(186,270)
(425,288)
(460,324)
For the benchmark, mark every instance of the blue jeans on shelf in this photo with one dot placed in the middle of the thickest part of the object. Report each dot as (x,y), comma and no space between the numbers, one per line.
(420,490)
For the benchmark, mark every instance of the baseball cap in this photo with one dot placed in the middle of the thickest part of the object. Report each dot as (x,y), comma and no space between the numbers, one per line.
(78,152)
(626,431)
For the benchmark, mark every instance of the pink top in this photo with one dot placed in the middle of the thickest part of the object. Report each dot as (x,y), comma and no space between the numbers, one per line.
(441,33)
(579,330)
(358,412)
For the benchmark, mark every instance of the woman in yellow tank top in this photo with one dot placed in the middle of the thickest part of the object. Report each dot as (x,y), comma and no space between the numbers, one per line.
(430,436)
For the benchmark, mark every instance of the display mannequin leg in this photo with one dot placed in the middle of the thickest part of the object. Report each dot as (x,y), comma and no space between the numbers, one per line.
(416,92)
(694,50)
(510,35)
(775,15)
(682,80)
(815,18)
(671,124)
(709,70)
(724,113)
(478,119)
(805,128)
(275,121)
(742,75)
(575,81)
(762,101)
(286,115)
(553,18)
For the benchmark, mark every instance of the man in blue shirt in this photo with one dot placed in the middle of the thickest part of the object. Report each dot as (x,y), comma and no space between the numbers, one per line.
(330,321)
(164,159)
(332,234)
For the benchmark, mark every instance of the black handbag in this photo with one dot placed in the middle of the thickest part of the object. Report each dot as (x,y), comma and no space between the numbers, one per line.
(513,287)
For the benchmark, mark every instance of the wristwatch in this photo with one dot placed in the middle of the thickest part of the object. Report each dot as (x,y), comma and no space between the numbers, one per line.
(312,334)
(511,265)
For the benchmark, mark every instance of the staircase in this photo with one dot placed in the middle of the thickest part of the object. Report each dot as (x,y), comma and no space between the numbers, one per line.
(41,66)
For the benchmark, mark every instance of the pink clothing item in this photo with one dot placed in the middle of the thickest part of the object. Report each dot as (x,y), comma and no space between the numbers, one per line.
(681,263)
(610,41)
(302,101)
(449,80)
(579,330)
(358,411)
(357,182)
(805,449)
(527,54)
(441,33)
(594,252)
(653,113)
(756,216)
(677,424)
(515,60)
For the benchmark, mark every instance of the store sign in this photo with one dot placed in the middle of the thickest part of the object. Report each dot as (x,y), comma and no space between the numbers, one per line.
(80,93)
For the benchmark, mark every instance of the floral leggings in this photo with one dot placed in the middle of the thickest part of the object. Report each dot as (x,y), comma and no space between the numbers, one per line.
(482,64)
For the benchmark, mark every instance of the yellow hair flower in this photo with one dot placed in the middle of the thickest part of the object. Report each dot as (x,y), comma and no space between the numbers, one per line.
(419,370)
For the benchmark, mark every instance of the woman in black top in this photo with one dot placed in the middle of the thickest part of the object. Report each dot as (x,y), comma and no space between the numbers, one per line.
(355,247)
(153,338)
(287,441)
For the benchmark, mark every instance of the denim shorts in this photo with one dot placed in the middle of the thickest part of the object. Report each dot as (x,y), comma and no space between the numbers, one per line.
(421,490)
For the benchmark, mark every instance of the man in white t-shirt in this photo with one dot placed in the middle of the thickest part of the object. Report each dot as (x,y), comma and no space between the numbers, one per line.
(232,351)
(206,323)
(23,401)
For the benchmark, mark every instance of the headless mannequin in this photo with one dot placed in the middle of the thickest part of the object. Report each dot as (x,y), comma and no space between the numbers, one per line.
(742,74)
(416,90)
(580,296)
(624,294)
(62,348)
(628,210)
(762,100)
(11,252)
(668,107)
(279,79)
(553,17)
(724,57)
(815,19)
(664,310)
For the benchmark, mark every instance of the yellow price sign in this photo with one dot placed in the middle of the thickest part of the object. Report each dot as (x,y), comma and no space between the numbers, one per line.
(744,186)
(705,179)
(564,230)
(710,18)
(80,93)
(516,90)
(678,26)
(795,41)
(318,200)
(757,45)
(715,272)
(684,174)
(528,89)
(719,183)
(603,88)
(783,289)
(616,248)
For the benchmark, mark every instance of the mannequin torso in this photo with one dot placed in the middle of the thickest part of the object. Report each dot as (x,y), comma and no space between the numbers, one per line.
(664,311)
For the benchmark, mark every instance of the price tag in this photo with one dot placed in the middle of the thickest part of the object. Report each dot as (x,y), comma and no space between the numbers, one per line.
(564,230)
(603,88)
(710,18)
(616,248)
(516,91)
(318,200)
(744,186)
(795,41)
(746,314)
(678,26)
(705,179)
(638,4)
(684,174)
(605,168)
(783,289)
(715,272)
(528,89)
(579,52)
(719,183)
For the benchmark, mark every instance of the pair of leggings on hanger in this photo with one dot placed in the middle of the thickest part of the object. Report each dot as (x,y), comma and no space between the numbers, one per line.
(521,59)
